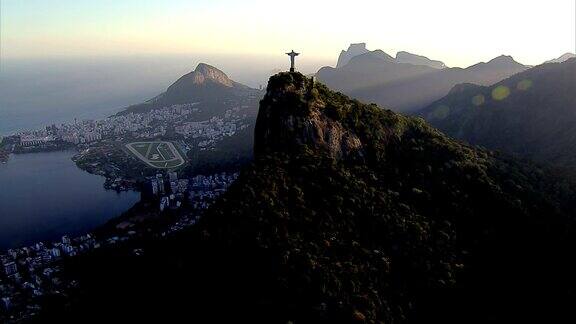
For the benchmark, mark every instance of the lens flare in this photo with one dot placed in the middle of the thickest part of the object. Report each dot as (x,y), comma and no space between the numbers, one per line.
(524,85)
(478,100)
(500,92)
(441,112)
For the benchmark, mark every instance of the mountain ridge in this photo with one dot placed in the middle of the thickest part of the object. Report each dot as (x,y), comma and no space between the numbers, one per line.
(406,57)
(415,92)
(530,114)
(358,49)
(369,69)
(562,58)
(408,82)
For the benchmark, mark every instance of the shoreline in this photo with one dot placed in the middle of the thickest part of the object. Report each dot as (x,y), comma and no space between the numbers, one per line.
(97,187)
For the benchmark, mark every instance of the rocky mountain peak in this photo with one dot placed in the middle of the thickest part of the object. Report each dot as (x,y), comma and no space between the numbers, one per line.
(357,47)
(503,60)
(293,115)
(382,55)
(353,50)
(205,72)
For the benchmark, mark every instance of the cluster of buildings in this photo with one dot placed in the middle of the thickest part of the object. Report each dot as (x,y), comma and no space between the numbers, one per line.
(36,139)
(151,124)
(204,189)
(170,189)
(77,133)
(28,273)
(215,129)
(200,190)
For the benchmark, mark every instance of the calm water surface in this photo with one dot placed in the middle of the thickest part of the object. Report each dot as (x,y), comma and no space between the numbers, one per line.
(44,196)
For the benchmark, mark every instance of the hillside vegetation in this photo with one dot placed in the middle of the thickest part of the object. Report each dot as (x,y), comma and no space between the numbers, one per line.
(531,114)
(354,214)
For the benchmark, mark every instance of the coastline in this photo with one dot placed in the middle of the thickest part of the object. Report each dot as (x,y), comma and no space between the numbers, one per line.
(64,198)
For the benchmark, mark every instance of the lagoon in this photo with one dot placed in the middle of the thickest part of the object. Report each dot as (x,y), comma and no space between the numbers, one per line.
(44,196)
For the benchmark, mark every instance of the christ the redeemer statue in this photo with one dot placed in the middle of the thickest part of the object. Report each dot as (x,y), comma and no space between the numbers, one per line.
(292,59)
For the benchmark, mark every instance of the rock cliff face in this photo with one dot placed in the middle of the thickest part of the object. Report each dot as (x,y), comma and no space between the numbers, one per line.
(292,116)
(353,50)
(204,81)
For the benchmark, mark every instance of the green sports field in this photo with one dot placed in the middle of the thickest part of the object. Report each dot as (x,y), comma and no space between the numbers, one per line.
(159,155)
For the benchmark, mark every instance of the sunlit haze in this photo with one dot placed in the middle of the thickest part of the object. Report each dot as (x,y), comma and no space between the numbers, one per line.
(459,33)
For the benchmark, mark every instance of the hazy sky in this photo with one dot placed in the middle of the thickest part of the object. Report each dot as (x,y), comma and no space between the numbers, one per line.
(458,32)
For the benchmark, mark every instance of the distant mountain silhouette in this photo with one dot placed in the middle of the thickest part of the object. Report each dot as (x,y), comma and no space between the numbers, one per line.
(368,70)
(495,70)
(353,50)
(405,57)
(401,57)
(562,58)
(205,84)
(408,87)
(379,56)
(532,114)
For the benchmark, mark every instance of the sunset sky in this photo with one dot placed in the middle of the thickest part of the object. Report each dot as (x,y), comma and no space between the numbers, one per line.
(458,32)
